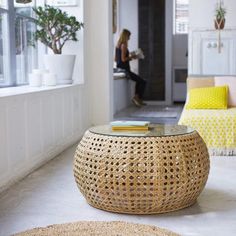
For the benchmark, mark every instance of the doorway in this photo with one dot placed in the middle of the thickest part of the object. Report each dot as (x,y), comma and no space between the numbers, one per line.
(152,41)
(135,15)
(155,39)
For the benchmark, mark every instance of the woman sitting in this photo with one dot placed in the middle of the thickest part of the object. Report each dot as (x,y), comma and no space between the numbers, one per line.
(122,58)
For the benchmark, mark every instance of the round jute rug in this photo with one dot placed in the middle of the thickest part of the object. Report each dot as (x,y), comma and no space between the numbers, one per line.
(98,228)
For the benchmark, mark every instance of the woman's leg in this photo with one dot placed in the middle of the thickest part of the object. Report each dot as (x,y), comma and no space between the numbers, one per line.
(140,84)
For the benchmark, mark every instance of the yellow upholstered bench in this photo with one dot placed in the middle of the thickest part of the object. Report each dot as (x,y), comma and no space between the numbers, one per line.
(217,127)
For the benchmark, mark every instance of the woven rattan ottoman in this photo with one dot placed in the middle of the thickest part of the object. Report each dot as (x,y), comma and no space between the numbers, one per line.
(141,172)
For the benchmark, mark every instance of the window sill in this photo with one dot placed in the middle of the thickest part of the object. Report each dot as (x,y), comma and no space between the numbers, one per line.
(13,91)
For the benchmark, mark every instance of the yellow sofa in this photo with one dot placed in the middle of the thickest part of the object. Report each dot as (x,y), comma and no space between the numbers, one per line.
(216,126)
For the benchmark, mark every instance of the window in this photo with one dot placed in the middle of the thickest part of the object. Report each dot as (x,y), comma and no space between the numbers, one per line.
(26,54)
(181,10)
(17,55)
(4,46)
(1,50)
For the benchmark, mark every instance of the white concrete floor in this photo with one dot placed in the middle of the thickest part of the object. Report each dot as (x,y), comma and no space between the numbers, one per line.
(129,114)
(50,196)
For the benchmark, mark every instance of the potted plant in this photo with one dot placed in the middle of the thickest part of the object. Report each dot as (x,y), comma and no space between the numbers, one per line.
(220,13)
(55,28)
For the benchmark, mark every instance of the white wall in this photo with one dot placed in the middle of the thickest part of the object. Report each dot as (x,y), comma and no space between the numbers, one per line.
(128,19)
(98,59)
(180,47)
(76,48)
(37,126)
(203,37)
(201,13)
(180,60)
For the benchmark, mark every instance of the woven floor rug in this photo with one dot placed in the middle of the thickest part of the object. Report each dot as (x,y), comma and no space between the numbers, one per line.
(156,112)
(98,228)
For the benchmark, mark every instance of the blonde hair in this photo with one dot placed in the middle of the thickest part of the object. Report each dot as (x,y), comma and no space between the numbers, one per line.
(124,37)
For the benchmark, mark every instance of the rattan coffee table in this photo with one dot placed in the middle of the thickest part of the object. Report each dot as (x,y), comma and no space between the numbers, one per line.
(141,172)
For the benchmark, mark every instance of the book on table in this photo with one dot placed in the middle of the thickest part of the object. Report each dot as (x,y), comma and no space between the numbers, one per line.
(129,125)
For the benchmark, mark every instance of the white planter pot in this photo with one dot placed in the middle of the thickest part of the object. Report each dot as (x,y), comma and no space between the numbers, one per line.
(60,65)
(49,79)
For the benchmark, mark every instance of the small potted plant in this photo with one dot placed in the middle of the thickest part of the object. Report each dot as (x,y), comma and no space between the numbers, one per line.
(55,28)
(220,13)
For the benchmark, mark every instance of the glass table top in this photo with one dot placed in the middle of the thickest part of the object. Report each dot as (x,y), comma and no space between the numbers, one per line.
(154,130)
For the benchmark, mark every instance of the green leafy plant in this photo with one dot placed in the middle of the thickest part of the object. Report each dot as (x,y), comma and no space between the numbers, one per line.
(55,27)
(220,11)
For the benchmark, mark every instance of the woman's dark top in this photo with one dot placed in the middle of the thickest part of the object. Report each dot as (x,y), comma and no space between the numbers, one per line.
(119,63)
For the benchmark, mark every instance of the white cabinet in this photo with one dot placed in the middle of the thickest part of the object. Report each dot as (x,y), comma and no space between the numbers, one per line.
(204,55)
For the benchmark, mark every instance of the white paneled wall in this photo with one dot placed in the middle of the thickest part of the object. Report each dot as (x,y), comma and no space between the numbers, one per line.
(35,127)
(201,14)
(204,55)
(204,58)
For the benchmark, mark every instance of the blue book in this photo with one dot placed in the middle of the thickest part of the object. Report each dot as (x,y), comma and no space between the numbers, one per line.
(124,123)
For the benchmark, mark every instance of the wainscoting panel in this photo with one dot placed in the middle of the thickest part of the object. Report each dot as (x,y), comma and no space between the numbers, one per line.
(77,110)
(205,57)
(68,116)
(37,126)
(3,134)
(58,107)
(34,127)
(16,132)
(47,121)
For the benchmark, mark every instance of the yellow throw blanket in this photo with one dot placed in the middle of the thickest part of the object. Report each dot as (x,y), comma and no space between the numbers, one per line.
(216,127)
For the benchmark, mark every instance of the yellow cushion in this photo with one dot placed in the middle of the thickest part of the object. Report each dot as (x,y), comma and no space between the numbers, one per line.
(208,98)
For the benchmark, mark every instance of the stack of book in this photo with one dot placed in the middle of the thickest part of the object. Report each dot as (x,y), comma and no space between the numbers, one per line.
(130,125)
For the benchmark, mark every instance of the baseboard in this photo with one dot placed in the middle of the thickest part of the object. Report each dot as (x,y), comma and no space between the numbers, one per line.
(42,160)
